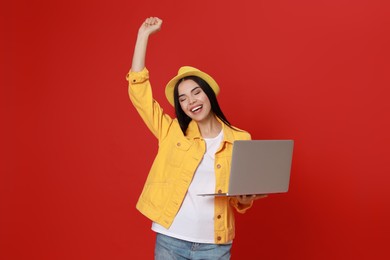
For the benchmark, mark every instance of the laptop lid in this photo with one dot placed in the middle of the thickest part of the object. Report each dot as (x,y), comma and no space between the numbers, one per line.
(260,167)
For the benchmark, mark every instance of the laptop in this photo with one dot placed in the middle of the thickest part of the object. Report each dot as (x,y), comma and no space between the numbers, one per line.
(259,167)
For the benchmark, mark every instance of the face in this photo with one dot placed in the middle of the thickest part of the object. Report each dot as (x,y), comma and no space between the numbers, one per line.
(194,101)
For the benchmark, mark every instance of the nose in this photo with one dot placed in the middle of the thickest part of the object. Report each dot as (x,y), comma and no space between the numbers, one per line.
(191,100)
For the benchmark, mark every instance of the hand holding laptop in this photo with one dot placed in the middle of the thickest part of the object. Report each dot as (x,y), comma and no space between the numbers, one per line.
(247,199)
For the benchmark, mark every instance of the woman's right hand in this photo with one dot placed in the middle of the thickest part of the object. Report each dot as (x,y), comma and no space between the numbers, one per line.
(150,26)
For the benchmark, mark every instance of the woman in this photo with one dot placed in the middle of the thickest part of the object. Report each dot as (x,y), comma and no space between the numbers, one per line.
(194,157)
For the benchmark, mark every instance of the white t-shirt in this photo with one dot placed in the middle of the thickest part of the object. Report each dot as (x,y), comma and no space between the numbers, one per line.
(195,220)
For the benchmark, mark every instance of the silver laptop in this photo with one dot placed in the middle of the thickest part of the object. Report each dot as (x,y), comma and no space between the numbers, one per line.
(259,167)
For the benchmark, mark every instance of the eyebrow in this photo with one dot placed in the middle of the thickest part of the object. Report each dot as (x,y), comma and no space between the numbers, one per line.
(192,90)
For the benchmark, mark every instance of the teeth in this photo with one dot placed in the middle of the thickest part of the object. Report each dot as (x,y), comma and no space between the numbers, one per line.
(196,108)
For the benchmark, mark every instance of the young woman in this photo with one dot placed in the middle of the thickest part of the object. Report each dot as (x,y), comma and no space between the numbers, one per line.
(193,157)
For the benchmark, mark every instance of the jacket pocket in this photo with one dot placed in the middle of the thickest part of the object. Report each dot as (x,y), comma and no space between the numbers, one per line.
(178,151)
(156,195)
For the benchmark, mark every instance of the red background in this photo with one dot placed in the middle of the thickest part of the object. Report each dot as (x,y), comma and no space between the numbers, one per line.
(75,154)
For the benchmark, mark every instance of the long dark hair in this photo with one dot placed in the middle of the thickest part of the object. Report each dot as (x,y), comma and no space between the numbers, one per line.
(185,120)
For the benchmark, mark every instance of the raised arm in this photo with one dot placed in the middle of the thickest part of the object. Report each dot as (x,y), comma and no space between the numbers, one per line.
(150,26)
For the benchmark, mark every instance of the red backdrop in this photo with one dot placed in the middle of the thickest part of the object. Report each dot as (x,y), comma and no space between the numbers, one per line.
(75,155)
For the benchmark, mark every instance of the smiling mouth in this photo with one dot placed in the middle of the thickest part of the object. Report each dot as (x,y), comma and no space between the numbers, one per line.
(196,108)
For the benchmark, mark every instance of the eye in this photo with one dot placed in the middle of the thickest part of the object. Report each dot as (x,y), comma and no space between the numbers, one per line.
(182,100)
(197,92)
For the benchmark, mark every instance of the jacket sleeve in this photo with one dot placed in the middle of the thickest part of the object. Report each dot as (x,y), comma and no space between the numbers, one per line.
(141,96)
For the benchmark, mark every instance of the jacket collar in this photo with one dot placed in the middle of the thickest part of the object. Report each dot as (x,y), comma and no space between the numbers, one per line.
(194,133)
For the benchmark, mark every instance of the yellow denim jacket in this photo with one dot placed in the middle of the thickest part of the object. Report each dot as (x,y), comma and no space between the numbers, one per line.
(177,159)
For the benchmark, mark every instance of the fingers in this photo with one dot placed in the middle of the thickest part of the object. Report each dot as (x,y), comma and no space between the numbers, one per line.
(150,25)
(152,21)
(261,196)
(246,199)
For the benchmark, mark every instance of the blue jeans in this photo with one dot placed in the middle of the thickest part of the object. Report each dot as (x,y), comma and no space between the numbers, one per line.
(169,248)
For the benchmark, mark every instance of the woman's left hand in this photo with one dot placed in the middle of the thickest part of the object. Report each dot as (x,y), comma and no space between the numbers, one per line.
(247,199)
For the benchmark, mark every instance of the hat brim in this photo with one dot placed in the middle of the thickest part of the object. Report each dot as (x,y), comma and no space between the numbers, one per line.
(185,72)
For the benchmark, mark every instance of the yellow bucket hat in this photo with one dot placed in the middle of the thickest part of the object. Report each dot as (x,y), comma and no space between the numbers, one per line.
(184,72)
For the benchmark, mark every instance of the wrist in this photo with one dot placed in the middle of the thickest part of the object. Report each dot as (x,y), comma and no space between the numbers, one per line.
(143,34)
